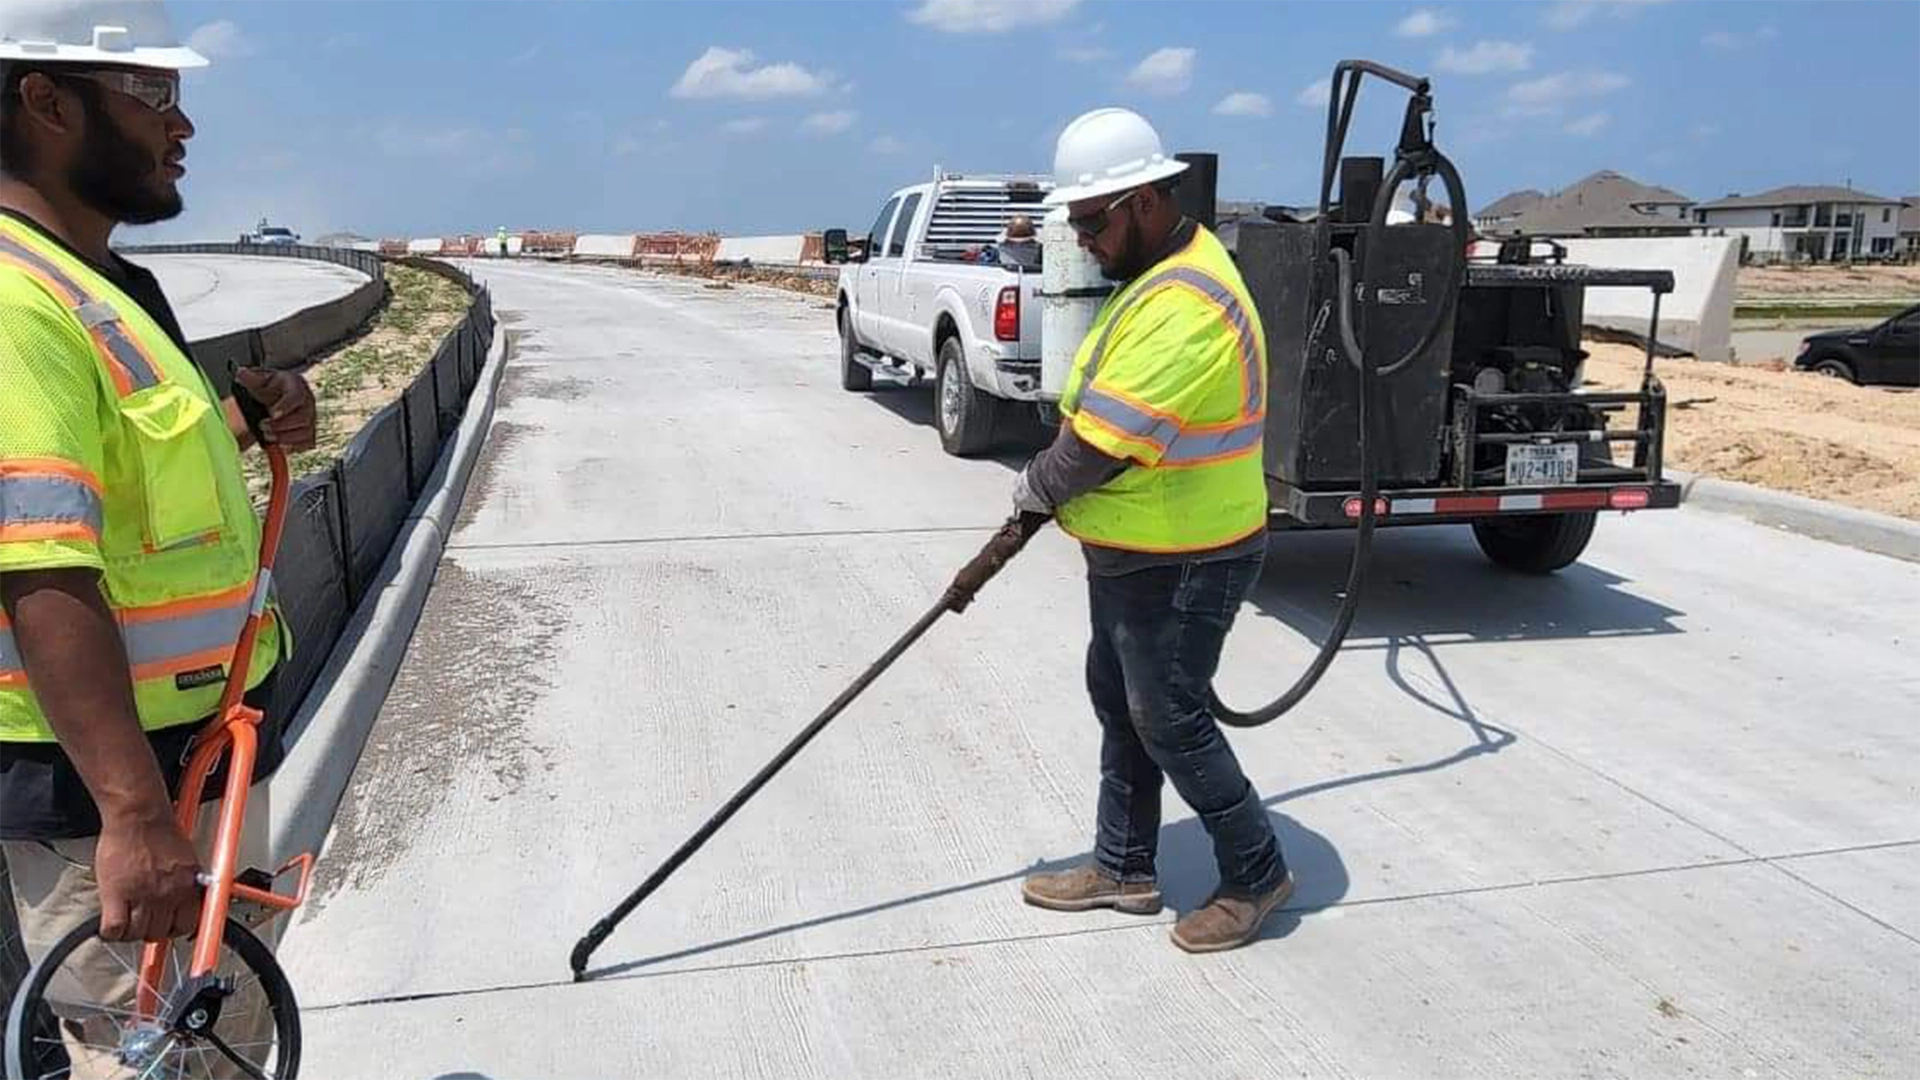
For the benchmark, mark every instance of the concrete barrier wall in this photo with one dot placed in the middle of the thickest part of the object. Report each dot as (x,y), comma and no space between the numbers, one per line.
(605,246)
(762,250)
(1697,317)
(428,246)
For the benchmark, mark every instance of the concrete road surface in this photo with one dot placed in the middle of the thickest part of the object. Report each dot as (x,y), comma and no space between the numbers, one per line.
(1654,816)
(218,294)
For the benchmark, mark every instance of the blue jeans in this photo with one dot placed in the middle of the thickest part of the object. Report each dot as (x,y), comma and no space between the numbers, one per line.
(1156,643)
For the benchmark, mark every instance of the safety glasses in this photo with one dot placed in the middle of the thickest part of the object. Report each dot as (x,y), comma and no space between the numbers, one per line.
(157,90)
(1096,223)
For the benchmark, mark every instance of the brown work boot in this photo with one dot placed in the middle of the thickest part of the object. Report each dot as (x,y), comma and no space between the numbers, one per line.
(1228,922)
(1086,887)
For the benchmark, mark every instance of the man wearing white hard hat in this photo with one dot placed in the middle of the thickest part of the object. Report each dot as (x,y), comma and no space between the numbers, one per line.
(122,500)
(1157,470)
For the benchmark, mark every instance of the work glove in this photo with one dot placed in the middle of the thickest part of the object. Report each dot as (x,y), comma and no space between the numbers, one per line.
(1025,499)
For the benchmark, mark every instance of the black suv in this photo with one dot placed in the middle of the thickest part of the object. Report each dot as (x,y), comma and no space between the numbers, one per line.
(1884,355)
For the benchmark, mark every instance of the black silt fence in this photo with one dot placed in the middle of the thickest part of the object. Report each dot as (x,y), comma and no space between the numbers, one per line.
(310,581)
(375,497)
(423,431)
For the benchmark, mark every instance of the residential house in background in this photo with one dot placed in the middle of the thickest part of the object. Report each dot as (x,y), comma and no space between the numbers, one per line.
(1604,204)
(1505,209)
(1806,223)
(1909,218)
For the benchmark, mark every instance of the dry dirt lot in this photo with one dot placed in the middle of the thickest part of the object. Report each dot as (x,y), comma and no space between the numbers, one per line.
(1785,430)
(1773,283)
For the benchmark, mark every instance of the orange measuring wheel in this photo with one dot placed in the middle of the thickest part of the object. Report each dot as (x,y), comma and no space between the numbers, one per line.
(215,1004)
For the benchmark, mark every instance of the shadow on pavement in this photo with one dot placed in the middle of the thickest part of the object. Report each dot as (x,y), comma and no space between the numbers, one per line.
(1432,584)
(1185,861)
(1019,436)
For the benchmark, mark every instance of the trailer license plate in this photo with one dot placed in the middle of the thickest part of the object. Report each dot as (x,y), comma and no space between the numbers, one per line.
(1542,466)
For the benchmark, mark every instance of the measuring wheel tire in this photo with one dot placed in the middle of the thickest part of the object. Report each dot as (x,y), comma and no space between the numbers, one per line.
(1834,369)
(965,416)
(854,375)
(1537,544)
(34,1047)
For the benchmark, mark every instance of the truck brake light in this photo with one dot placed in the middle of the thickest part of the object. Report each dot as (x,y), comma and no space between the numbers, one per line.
(1006,315)
(1629,498)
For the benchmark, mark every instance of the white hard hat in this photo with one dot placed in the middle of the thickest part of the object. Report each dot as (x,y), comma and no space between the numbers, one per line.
(132,32)
(1107,151)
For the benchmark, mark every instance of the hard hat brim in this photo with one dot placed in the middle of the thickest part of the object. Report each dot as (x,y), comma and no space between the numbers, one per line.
(173,58)
(1061,196)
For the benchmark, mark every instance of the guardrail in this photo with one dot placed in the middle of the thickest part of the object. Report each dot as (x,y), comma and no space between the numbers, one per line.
(289,342)
(344,517)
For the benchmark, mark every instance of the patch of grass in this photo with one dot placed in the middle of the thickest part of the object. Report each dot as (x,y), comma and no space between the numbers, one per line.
(1792,310)
(357,380)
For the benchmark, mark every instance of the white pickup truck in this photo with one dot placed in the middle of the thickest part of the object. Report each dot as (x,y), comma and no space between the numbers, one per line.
(917,302)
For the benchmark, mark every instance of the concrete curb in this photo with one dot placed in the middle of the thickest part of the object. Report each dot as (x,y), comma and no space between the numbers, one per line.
(329,732)
(1882,534)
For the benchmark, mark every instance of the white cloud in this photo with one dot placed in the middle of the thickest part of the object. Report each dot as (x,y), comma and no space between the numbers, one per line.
(1424,23)
(720,72)
(1244,103)
(1551,94)
(1164,71)
(1316,94)
(746,125)
(1486,58)
(1590,125)
(1706,130)
(887,144)
(1573,14)
(627,146)
(222,40)
(1733,40)
(829,123)
(989,16)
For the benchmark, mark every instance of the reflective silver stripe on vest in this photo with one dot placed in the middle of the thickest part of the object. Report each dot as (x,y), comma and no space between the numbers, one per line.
(1193,446)
(162,640)
(48,500)
(1128,418)
(158,641)
(1179,446)
(1206,284)
(96,315)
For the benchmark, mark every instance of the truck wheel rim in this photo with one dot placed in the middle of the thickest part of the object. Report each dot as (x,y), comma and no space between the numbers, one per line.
(949,399)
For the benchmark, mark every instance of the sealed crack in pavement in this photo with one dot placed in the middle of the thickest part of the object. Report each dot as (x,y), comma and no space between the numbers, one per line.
(453,726)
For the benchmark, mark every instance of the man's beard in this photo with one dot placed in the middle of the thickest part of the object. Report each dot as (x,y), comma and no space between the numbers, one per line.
(115,176)
(1132,259)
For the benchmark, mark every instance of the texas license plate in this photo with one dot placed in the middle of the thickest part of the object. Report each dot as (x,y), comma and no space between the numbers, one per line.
(1542,466)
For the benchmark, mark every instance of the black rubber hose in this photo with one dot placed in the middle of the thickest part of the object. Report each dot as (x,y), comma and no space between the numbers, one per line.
(1370,378)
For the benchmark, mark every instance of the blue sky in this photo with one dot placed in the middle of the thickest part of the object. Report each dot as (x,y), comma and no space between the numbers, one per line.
(418,118)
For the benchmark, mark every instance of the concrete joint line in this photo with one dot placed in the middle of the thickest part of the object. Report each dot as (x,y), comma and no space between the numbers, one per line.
(330,730)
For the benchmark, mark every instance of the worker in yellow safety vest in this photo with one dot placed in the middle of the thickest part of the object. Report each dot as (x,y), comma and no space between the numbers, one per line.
(1157,471)
(128,543)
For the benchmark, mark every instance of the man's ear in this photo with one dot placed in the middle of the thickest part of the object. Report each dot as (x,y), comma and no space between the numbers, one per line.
(42,103)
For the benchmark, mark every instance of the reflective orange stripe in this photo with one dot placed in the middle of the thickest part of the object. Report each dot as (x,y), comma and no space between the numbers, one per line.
(199,605)
(32,531)
(66,470)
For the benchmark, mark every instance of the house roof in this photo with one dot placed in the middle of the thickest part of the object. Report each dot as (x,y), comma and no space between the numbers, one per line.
(1910,214)
(1795,195)
(1511,203)
(1604,200)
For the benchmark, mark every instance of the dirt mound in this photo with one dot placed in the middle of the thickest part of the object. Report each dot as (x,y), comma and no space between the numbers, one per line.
(1784,430)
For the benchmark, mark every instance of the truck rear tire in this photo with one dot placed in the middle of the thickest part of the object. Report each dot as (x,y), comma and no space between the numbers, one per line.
(1535,544)
(965,416)
(854,375)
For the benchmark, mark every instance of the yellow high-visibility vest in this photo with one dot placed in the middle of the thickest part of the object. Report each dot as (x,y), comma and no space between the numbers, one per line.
(1172,376)
(115,455)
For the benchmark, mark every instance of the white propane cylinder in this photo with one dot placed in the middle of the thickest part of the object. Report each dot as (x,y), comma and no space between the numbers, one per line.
(1071,292)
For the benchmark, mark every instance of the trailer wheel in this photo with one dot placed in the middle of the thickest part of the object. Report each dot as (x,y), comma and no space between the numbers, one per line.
(854,375)
(1535,544)
(966,417)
